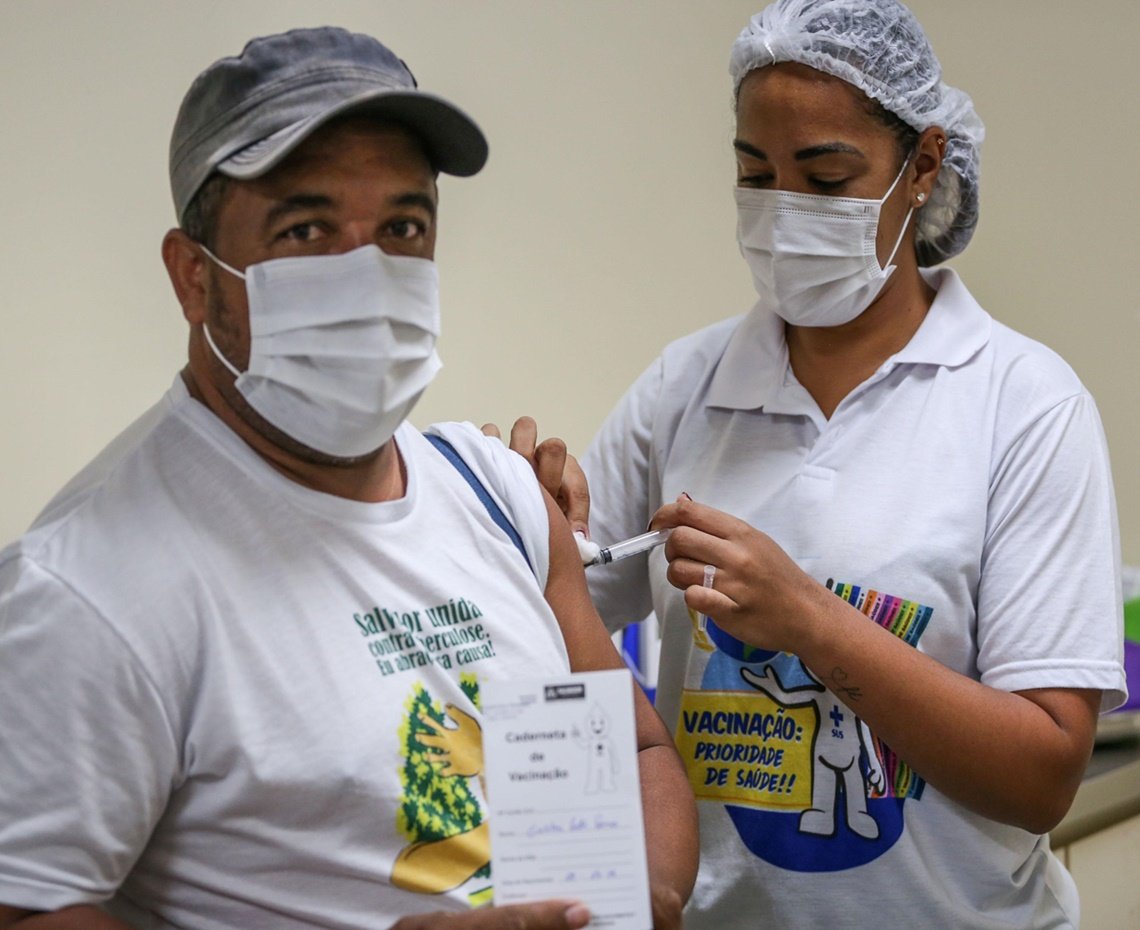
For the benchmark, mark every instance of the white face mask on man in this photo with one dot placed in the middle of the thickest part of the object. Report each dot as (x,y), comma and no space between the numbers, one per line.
(341,346)
(813,257)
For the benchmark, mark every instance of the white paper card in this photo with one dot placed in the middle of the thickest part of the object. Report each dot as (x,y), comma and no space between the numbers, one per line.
(564,795)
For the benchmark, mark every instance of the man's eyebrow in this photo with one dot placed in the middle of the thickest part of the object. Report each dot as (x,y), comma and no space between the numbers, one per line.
(294,204)
(416,199)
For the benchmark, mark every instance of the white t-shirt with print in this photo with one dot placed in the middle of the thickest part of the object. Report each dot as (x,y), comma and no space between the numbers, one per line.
(215,682)
(960,497)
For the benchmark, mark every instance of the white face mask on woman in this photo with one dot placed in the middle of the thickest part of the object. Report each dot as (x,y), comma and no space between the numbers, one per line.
(341,346)
(813,257)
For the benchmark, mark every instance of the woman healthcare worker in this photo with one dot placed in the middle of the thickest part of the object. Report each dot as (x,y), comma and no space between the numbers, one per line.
(890,605)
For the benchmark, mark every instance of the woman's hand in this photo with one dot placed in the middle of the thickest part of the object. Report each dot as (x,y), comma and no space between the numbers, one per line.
(556,469)
(737,575)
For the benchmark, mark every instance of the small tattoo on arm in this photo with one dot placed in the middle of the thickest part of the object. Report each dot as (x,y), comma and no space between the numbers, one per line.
(839,686)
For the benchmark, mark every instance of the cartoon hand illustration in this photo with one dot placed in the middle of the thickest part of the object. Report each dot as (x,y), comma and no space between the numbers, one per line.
(459,750)
(766,681)
(876,777)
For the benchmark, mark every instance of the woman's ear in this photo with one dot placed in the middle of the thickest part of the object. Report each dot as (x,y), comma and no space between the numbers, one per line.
(186,266)
(927,164)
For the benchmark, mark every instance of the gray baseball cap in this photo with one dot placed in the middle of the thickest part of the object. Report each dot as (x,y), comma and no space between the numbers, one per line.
(243,115)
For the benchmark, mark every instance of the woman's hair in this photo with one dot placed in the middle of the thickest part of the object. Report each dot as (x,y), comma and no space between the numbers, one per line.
(906,136)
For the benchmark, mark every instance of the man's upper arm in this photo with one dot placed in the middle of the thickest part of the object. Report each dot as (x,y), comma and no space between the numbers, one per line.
(587,642)
(9,915)
(87,756)
(70,918)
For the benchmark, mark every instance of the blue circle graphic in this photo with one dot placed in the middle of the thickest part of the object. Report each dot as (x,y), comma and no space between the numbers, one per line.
(774,835)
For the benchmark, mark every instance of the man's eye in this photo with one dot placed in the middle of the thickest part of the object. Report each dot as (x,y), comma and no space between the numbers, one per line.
(407,229)
(301,232)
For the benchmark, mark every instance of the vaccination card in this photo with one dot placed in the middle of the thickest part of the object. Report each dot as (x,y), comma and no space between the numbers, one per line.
(562,784)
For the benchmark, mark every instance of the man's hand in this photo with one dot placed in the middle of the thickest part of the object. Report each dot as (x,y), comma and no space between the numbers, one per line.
(667,905)
(557,470)
(543,915)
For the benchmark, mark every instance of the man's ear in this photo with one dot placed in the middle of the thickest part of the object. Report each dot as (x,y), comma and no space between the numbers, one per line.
(186,266)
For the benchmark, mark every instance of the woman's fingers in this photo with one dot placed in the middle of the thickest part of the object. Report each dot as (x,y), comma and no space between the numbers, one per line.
(687,512)
(549,460)
(524,437)
(713,581)
(573,496)
(557,471)
(702,548)
(555,468)
(710,602)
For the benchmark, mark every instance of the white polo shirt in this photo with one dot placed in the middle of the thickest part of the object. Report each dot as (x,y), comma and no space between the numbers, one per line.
(962,498)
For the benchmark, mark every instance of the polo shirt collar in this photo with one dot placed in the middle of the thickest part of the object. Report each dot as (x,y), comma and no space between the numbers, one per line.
(754,365)
(955,329)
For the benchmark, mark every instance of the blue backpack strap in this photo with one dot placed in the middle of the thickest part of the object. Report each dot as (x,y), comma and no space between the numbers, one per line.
(493,509)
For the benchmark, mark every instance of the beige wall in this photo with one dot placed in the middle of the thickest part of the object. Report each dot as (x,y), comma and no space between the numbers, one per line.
(602,227)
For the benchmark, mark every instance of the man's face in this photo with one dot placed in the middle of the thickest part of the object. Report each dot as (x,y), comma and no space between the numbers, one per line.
(353,183)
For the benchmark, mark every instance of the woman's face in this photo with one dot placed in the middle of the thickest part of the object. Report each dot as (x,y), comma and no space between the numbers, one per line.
(798,129)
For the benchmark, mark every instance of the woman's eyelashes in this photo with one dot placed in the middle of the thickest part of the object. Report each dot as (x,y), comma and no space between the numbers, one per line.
(767,180)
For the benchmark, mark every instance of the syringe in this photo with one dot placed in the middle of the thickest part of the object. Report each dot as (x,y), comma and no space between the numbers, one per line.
(627,547)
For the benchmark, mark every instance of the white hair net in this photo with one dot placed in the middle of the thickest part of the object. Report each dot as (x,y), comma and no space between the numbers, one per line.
(879,47)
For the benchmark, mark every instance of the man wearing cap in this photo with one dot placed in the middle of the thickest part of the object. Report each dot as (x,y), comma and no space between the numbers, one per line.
(241,650)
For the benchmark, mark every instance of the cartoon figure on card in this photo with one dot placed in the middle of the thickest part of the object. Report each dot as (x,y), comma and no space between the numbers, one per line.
(842,742)
(601,760)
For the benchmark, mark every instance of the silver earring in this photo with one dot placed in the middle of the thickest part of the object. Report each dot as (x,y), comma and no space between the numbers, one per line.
(921,197)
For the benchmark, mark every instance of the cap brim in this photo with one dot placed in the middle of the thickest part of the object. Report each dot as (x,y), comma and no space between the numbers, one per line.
(454,143)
